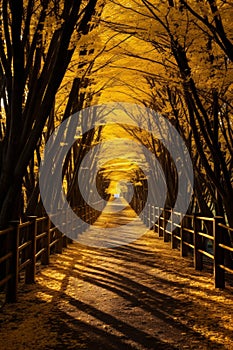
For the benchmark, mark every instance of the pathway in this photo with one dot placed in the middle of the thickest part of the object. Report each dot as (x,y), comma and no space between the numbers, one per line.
(139,296)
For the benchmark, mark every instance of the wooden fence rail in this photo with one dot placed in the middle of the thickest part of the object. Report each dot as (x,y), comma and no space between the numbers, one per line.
(25,244)
(202,236)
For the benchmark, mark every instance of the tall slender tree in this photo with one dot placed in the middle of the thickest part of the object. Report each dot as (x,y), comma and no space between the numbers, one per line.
(37,42)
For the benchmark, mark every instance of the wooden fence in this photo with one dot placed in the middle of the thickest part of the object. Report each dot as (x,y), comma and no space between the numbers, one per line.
(23,245)
(202,236)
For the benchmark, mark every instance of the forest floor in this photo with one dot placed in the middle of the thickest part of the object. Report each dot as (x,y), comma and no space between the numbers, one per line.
(139,296)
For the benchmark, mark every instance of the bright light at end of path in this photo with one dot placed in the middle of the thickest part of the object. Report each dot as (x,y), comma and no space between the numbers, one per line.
(126,114)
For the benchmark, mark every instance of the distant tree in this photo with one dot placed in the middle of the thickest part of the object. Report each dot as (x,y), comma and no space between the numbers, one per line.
(210,16)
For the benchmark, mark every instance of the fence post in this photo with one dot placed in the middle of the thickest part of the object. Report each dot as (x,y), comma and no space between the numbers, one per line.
(149,216)
(173,240)
(12,285)
(183,247)
(198,258)
(219,273)
(159,223)
(31,268)
(68,219)
(153,217)
(64,241)
(59,244)
(165,234)
(45,256)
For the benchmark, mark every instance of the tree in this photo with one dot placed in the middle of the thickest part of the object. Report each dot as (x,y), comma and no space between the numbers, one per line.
(38,40)
(190,83)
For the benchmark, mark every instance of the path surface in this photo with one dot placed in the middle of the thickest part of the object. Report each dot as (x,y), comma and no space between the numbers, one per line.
(117,225)
(138,296)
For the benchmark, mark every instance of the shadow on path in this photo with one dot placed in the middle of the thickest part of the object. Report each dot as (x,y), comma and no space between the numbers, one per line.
(138,296)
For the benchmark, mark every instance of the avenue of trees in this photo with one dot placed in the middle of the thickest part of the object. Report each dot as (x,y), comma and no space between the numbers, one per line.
(57,57)
(40,44)
(182,50)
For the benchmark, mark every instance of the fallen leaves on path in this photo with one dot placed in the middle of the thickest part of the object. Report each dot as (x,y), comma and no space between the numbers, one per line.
(139,296)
